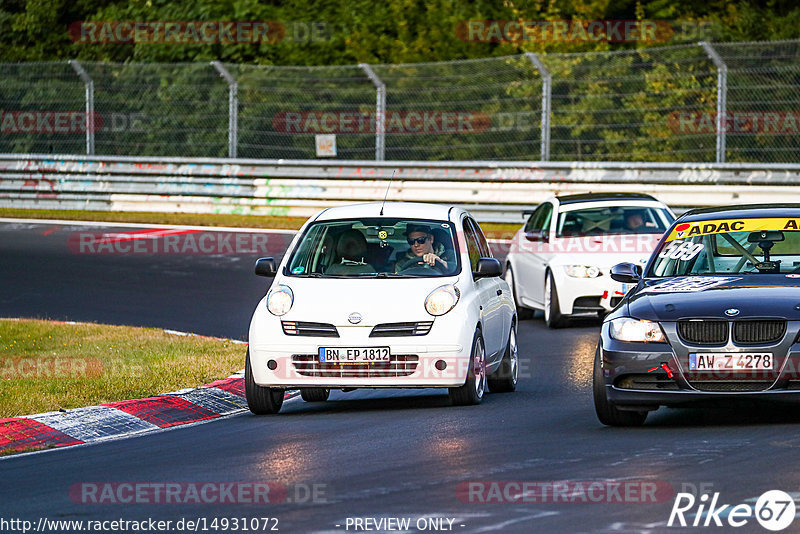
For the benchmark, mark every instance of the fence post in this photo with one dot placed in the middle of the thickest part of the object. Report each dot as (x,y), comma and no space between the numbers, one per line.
(233,108)
(90,119)
(722,98)
(547,84)
(380,112)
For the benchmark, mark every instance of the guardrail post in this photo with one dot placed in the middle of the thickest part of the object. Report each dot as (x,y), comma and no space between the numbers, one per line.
(233,108)
(380,112)
(722,98)
(547,84)
(90,119)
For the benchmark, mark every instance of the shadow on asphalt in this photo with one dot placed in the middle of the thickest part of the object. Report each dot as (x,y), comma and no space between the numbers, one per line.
(372,404)
(737,413)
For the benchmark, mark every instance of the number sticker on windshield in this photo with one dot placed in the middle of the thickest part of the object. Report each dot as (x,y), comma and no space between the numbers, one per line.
(681,250)
(689,284)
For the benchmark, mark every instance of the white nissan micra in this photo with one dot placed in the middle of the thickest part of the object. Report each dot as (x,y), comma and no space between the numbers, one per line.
(399,295)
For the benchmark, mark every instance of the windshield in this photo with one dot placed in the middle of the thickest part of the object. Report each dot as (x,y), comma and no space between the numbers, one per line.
(613,220)
(376,248)
(742,246)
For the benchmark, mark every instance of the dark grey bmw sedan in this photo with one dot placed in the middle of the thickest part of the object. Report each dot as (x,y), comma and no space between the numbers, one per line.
(714,315)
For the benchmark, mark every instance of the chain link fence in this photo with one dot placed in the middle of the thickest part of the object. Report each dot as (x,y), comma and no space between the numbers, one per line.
(735,102)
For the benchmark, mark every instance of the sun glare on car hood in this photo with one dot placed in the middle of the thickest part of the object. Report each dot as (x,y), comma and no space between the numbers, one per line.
(376,300)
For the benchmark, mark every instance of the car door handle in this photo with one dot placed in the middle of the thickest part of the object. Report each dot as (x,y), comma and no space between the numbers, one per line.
(499,291)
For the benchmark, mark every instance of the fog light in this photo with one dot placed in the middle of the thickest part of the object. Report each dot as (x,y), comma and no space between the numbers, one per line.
(272,365)
(441,365)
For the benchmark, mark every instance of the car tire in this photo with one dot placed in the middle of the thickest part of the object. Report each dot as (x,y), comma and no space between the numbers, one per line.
(522,312)
(504,379)
(552,311)
(260,400)
(607,413)
(474,387)
(315,394)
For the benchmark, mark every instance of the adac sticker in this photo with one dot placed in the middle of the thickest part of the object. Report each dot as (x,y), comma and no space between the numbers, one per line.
(690,284)
(718,226)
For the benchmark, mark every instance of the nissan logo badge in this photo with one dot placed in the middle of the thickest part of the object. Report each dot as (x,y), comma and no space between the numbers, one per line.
(355,318)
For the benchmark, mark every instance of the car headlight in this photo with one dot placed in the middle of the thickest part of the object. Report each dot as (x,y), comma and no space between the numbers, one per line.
(630,329)
(442,299)
(582,271)
(280,300)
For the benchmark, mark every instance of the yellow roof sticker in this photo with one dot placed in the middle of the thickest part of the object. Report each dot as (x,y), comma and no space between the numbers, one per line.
(718,226)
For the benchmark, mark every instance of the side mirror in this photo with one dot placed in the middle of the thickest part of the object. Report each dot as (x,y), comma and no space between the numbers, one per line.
(627,273)
(488,267)
(266,267)
(538,235)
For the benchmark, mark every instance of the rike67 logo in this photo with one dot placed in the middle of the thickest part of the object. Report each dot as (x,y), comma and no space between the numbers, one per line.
(774,510)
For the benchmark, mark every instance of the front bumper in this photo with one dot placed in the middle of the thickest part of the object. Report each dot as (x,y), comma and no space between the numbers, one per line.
(588,295)
(648,375)
(414,358)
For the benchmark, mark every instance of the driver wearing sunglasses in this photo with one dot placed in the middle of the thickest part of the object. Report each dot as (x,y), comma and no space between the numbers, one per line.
(422,252)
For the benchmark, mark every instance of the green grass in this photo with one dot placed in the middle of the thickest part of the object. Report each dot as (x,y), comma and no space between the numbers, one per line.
(146,217)
(492,230)
(46,367)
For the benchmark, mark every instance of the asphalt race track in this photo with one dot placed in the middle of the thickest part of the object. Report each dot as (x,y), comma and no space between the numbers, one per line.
(374,454)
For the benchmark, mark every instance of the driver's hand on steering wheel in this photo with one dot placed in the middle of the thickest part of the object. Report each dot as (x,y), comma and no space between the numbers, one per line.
(430,258)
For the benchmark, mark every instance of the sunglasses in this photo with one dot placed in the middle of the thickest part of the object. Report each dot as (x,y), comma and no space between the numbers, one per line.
(417,241)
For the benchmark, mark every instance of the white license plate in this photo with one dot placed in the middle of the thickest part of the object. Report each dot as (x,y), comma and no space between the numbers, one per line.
(353,354)
(750,361)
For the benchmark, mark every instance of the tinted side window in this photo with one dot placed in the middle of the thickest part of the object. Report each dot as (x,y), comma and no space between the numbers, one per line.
(483,245)
(547,214)
(540,219)
(472,244)
(530,225)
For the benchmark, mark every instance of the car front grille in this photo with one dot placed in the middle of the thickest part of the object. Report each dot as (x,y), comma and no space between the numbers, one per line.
(702,332)
(758,331)
(745,332)
(731,385)
(653,381)
(398,365)
(302,328)
(401,329)
(587,304)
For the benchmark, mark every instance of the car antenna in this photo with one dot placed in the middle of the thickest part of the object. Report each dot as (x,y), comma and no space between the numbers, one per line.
(387,192)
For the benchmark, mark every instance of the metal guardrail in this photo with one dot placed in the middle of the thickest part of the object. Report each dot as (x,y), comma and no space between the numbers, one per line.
(494,191)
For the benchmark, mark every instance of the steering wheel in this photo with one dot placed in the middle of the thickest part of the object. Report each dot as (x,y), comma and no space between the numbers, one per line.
(421,268)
